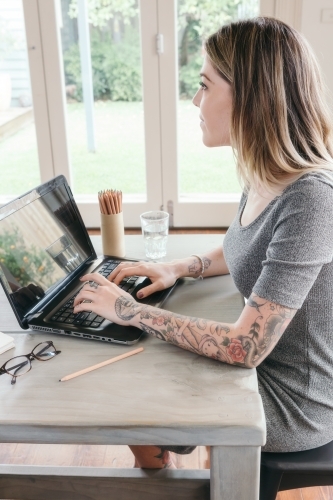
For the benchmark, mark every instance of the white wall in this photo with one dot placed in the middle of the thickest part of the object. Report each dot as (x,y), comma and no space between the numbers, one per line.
(320,36)
(306,17)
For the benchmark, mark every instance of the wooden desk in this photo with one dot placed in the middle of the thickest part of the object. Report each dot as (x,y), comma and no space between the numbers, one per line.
(162,396)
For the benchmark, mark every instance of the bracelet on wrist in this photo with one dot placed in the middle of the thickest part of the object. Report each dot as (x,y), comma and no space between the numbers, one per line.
(202,266)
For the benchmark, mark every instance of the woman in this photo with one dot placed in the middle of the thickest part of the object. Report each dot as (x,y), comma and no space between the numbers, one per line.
(261,92)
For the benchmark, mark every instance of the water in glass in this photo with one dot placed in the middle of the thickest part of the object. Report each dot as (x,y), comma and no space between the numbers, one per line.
(155,237)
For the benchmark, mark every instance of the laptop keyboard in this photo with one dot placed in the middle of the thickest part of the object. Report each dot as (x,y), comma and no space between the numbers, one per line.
(87,318)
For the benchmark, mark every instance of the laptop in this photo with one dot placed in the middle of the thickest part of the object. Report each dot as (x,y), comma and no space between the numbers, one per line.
(44,249)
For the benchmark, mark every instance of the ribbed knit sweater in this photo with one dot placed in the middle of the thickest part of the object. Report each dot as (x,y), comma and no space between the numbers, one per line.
(285,256)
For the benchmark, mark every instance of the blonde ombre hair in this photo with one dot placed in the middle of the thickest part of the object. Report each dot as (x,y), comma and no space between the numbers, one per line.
(280,124)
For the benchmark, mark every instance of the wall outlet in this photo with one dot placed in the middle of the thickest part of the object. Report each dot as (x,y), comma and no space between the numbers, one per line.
(326,15)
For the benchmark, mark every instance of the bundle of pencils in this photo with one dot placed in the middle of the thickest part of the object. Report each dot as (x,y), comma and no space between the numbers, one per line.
(110,201)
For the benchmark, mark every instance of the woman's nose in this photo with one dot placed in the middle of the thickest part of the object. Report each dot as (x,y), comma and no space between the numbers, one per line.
(196,99)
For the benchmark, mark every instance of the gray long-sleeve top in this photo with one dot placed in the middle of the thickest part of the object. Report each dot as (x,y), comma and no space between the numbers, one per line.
(285,256)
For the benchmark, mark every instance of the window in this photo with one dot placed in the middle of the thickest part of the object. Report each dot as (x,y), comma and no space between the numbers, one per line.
(138,130)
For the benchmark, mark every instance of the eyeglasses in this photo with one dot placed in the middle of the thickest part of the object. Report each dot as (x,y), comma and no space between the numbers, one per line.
(15,367)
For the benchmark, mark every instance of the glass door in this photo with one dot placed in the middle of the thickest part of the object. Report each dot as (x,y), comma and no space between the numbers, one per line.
(137,131)
(200,186)
(110,139)
(111,81)
(107,146)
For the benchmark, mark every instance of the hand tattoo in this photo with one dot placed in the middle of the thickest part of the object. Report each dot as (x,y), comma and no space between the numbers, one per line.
(127,308)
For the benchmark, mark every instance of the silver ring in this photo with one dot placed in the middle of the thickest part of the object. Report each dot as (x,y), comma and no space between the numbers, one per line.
(93,284)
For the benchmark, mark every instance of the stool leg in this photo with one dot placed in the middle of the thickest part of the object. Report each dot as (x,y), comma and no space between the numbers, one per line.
(269,483)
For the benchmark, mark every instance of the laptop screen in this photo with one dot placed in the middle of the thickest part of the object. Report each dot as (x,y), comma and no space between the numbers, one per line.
(41,243)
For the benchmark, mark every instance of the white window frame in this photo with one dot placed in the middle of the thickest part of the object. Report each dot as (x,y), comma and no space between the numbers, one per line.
(160,96)
(48,91)
(186,212)
(47,86)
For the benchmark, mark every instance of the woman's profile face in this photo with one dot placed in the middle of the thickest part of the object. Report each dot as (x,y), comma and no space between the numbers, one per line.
(214,98)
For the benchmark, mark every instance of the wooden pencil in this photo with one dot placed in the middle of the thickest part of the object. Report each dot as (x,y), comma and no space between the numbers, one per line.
(100,205)
(107,202)
(116,200)
(105,211)
(100,365)
(114,210)
(110,201)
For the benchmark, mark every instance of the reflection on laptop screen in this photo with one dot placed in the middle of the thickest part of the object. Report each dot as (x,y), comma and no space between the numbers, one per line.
(40,244)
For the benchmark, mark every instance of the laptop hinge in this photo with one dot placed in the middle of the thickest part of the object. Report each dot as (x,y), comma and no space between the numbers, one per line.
(29,316)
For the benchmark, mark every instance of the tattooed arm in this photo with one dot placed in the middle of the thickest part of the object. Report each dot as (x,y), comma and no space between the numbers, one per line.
(165,274)
(244,343)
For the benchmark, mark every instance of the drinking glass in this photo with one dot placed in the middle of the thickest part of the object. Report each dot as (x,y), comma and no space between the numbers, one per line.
(155,227)
(64,254)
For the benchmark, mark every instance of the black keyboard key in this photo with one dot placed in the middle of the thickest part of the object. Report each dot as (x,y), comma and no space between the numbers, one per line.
(79,318)
(91,316)
(122,284)
(83,315)
(61,319)
(86,323)
(126,286)
(94,324)
(69,321)
(99,319)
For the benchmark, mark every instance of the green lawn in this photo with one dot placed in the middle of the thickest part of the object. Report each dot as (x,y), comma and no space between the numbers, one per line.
(119,158)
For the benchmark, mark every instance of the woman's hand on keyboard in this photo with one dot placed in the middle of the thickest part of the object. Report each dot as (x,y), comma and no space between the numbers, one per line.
(161,274)
(106,299)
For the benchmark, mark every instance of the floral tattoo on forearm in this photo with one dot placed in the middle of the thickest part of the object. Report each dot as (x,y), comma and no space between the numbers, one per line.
(209,338)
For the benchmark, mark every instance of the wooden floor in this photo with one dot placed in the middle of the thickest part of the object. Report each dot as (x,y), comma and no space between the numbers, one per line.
(121,456)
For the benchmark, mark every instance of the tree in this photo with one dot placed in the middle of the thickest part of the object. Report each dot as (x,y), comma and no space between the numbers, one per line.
(197,19)
(207,15)
(100,12)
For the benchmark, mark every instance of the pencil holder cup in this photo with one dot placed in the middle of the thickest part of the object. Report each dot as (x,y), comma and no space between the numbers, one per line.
(112,230)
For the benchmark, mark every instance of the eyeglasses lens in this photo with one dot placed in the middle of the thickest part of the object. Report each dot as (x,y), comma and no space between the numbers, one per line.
(18,366)
(44,351)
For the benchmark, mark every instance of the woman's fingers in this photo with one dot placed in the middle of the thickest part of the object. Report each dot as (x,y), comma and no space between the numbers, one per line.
(83,306)
(100,296)
(121,267)
(96,277)
(128,271)
(84,294)
(148,290)
(88,290)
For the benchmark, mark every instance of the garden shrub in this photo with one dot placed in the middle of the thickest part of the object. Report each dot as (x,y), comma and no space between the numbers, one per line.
(189,77)
(116,68)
